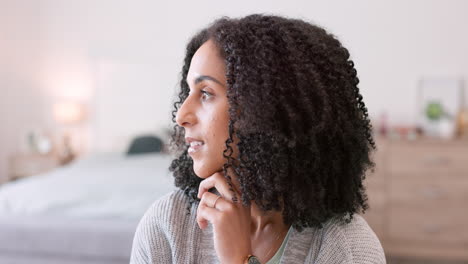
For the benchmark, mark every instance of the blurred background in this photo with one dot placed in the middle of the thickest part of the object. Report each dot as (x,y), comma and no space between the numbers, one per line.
(86,89)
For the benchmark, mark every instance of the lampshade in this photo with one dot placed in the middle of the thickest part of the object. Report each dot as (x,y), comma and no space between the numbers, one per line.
(69,112)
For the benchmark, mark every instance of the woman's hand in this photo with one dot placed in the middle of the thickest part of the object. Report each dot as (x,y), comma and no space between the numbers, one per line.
(230,220)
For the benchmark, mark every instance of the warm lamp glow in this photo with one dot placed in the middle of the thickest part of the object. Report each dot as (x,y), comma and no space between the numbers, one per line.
(69,112)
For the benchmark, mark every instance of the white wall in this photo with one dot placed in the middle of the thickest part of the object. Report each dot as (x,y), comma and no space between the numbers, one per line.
(73,45)
(393,43)
(22,103)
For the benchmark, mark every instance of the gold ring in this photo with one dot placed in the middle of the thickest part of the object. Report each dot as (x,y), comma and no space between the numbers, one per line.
(214,204)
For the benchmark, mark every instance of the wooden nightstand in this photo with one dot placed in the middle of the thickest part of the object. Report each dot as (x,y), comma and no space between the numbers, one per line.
(418,197)
(24,165)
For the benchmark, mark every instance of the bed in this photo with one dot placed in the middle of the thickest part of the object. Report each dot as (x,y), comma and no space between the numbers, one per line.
(86,212)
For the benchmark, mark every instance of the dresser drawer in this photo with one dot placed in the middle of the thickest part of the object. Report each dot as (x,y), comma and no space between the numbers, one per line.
(437,224)
(374,182)
(428,190)
(425,202)
(427,160)
(429,211)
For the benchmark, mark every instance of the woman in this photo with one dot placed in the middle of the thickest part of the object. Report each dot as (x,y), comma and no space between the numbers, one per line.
(273,141)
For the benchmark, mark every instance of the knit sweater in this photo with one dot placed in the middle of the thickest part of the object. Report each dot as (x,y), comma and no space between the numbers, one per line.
(168,234)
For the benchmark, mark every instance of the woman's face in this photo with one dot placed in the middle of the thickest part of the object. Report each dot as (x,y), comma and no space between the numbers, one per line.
(204,114)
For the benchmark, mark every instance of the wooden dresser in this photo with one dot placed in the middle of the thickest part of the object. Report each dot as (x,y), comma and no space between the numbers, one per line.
(25,165)
(418,197)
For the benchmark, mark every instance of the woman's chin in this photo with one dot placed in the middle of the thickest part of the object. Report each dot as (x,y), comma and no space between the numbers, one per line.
(204,173)
(201,176)
(201,173)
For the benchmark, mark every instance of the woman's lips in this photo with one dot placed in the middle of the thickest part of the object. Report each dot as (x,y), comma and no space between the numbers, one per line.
(195,146)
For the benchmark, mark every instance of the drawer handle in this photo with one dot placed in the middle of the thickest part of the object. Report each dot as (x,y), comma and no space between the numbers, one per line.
(432,229)
(433,193)
(436,160)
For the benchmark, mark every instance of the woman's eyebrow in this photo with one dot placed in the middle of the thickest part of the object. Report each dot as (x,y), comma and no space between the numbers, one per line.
(206,77)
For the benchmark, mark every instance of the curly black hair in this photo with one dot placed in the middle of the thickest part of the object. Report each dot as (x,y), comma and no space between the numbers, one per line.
(305,138)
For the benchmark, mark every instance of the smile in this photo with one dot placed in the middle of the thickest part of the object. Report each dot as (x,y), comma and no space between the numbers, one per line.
(195,146)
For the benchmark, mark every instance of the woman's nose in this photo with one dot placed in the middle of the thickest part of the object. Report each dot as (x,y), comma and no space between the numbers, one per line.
(185,115)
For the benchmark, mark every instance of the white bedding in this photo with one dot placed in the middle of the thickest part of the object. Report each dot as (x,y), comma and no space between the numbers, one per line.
(100,186)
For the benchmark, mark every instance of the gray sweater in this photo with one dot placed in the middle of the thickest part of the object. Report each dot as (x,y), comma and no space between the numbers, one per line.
(168,234)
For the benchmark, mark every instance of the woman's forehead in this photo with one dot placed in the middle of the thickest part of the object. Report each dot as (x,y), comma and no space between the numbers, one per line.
(207,62)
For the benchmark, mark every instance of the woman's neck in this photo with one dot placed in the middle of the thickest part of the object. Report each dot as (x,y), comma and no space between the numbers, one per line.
(267,232)
(261,222)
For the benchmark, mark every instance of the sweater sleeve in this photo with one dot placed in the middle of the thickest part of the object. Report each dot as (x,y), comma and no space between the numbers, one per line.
(150,243)
(351,243)
(363,242)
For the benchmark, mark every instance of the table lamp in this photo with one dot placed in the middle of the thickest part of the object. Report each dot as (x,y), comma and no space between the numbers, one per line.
(68,114)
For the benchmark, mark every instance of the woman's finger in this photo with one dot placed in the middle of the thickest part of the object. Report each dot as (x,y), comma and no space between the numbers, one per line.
(216,202)
(202,222)
(217,181)
(212,203)
(206,214)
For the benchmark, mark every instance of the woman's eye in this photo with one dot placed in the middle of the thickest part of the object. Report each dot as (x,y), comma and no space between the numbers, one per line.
(206,95)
